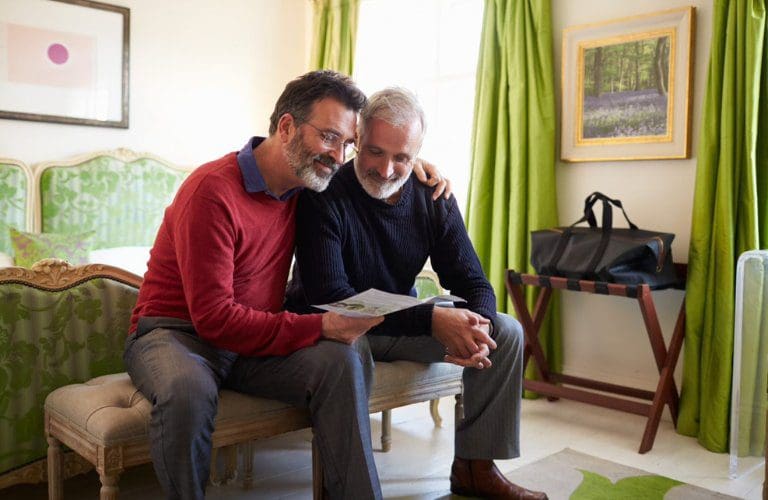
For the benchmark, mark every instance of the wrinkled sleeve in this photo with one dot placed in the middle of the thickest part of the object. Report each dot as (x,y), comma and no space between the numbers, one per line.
(456,263)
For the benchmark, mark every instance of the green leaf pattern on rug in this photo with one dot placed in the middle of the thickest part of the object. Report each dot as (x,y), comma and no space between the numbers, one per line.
(597,487)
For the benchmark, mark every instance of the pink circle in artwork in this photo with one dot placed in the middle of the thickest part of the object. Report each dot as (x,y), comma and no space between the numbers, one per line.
(58,53)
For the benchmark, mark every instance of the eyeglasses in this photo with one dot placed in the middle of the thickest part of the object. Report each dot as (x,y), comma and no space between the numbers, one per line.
(333,140)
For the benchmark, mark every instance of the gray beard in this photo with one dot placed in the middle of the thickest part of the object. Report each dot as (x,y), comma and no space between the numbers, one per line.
(380,190)
(302,161)
(312,180)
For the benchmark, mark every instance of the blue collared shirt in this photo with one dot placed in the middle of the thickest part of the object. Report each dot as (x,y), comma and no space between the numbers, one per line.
(253,181)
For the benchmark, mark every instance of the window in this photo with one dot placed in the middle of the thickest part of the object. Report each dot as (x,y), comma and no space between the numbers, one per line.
(429,47)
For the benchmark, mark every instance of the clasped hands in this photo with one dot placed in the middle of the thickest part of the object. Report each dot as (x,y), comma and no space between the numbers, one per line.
(465,335)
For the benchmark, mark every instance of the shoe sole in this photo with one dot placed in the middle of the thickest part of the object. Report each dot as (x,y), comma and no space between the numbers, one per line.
(462,492)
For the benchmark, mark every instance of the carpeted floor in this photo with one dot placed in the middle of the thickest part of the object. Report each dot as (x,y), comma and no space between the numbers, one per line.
(572,475)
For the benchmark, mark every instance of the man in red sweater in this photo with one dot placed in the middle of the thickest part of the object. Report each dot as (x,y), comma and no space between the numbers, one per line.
(209,312)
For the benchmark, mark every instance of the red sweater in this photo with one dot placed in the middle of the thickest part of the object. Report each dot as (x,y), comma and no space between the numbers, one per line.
(221,261)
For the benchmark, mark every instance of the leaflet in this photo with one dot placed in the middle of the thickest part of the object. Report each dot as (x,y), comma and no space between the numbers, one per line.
(373,302)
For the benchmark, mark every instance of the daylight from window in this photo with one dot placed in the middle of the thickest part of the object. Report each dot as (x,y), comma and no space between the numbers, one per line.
(429,47)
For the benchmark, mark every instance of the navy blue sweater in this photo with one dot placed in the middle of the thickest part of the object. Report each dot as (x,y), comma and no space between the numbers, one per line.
(348,242)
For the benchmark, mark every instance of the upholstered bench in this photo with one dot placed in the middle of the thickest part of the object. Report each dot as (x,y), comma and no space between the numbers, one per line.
(106,419)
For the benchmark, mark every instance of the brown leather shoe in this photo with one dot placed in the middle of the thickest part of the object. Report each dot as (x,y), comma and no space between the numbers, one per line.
(481,478)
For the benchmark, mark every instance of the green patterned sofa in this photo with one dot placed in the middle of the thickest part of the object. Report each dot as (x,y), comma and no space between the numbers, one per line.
(56,328)
(121,195)
(116,198)
(15,200)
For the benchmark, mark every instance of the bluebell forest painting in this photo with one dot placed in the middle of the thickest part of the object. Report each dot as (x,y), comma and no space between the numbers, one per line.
(626,89)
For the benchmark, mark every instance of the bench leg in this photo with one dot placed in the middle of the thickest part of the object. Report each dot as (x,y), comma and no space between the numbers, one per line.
(214,478)
(230,464)
(55,482)
(109,489)
(317,472)
(248,464)
(386,430)
(434,410)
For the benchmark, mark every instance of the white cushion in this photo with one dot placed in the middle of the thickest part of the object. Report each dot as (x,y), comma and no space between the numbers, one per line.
(133,259)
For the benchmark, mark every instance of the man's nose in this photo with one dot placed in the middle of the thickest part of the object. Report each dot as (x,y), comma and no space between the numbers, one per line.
(337,153)
(386,169)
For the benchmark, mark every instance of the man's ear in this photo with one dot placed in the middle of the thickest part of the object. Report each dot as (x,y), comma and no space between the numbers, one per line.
(285,126)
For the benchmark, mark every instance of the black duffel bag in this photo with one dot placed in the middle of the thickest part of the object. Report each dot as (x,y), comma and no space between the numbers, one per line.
(616,255)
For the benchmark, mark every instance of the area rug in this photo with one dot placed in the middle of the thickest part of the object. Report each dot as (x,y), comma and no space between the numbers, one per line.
(570,475)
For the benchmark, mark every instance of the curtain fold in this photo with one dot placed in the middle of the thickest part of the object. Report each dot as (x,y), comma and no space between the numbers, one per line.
(729,212)
(335,29)
(512,183)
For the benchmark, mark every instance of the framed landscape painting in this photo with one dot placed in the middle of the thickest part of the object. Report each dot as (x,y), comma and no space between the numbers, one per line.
(626,88)
(64,61)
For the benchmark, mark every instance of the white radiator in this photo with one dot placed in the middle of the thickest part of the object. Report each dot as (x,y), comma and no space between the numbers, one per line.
(750,364)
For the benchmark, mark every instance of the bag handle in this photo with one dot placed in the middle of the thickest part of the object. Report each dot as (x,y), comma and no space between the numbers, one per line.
(589,215)
(605,237)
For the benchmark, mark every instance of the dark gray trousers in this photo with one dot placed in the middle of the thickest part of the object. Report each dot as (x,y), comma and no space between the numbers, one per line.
(181,376)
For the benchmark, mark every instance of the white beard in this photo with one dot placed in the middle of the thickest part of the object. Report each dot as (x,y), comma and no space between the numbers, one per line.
(375,187)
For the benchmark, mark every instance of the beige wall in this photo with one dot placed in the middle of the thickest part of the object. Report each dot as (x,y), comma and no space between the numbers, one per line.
(604,336)
(204,77)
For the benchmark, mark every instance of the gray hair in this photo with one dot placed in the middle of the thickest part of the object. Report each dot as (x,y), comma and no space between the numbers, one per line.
(396,106)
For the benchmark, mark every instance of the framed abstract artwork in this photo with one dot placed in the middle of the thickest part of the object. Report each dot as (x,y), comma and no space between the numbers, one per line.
(626,88)
(64,61)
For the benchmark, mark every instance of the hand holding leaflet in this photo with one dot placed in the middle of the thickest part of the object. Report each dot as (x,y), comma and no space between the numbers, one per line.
(373,302)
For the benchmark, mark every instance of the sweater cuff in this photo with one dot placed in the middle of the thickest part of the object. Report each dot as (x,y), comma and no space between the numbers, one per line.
(423,315)
(308,328)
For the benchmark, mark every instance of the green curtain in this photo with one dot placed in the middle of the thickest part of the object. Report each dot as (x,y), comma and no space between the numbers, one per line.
(512,184)
(729,212)
(334,34)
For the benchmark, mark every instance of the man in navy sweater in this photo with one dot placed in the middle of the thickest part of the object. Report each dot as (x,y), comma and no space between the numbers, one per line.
(374,227)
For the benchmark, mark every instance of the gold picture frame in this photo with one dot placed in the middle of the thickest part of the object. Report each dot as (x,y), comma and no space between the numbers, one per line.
(626,88)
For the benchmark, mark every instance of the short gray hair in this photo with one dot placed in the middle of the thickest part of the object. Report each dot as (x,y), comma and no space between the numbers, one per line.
(396,106)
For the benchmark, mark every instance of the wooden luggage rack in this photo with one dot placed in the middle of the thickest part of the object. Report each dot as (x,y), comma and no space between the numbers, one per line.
(559,385)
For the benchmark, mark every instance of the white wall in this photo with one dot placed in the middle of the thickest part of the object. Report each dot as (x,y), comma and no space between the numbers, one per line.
(204,77)
(604,337)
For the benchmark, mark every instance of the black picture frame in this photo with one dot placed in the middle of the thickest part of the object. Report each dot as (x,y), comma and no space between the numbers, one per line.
(106,104)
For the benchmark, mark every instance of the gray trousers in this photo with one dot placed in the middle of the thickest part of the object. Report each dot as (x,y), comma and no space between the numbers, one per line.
(491,424)
(181,376)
